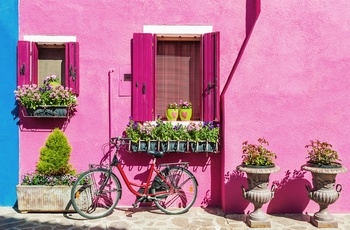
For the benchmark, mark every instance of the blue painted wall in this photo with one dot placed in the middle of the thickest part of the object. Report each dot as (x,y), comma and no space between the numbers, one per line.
(8,122)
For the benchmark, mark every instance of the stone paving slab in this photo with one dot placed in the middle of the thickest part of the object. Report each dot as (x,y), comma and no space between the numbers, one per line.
(153,219)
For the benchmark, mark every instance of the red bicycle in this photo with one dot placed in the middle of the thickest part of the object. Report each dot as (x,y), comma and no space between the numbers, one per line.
(97,191)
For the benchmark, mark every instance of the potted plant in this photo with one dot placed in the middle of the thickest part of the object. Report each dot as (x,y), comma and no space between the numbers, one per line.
(204,137)
(48,188)
(148,138)
(323,163)
(133,132)
(258,164)
(183,136)
(167,135)
(172,111)
(185,110)
(49,100)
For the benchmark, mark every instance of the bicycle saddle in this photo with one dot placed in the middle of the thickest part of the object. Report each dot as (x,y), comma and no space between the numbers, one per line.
(156,154)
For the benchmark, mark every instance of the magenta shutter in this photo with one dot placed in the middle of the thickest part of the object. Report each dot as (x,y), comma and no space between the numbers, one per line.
(142,77)
(35,60)
(72,66)
(211,86)
(23,63)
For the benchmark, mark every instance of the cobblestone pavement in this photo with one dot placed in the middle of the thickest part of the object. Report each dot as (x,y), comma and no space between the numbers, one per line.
(152,219)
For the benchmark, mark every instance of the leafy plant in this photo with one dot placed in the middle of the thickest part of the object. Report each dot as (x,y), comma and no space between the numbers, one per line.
(165,131)
(193,130)
(185,104)
(51,93)
(321,153)
(53,167)
(40,179)
(173,106)
(257,155)
(148,131)
(133,130)
(55,155)
(209,132)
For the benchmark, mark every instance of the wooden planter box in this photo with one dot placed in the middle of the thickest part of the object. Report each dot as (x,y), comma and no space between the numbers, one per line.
(37,198)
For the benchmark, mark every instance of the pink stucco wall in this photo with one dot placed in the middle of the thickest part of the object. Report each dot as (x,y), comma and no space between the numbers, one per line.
(288,84)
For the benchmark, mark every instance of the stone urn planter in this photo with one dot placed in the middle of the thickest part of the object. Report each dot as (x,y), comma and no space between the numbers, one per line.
(324,193)
(258,192)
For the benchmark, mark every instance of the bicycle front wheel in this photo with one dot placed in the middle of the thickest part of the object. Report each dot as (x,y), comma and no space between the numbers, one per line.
(96,193)
(184,194)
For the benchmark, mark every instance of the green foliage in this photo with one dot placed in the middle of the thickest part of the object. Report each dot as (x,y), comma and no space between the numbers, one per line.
(50,93)
(165,131)
(209,132)
(173,106)
(55,155)
(133,130)
(185,104)
(257,155)
(39,179)
(147,131)
(321,153)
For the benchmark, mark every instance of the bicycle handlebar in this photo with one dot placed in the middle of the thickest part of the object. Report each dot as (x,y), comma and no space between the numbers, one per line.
(117,141)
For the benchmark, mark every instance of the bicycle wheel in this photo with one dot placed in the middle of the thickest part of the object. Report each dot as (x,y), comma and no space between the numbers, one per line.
(96,193)
(184,195)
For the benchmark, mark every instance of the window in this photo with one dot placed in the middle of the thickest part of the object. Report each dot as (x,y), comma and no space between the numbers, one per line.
(38,60)
(167,69)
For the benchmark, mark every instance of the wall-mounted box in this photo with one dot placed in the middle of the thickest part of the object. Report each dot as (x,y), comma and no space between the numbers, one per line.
(125,79)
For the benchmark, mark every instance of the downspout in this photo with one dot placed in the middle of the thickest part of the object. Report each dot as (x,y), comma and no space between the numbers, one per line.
(253,9)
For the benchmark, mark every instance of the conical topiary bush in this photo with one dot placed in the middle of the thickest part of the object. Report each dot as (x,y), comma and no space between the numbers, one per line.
(55,155)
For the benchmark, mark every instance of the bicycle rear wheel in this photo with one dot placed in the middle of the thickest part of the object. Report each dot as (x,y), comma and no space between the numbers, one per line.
(96,193)
(185,194)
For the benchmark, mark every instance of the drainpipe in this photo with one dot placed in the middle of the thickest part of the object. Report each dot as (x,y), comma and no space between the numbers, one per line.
(110,71)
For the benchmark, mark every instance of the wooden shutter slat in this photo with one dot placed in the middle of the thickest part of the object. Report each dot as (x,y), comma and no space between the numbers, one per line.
(23,63)
(35,60)
(211,78)
(72,72)
(142,77)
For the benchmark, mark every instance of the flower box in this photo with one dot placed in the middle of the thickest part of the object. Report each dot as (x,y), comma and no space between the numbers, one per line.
(204,146)
(41,198)
(47,112)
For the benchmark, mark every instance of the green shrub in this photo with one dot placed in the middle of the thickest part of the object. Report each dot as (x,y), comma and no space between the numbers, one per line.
(55,155)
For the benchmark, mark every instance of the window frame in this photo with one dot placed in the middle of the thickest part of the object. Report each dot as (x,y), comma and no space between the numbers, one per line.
(144,47)
(28,56)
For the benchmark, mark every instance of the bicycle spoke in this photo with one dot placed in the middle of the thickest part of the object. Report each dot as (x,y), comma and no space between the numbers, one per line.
(183,194)
(96,193)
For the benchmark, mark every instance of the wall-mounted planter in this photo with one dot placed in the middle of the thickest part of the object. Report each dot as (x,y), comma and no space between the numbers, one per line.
(174,146)
(204,146)
(46,112)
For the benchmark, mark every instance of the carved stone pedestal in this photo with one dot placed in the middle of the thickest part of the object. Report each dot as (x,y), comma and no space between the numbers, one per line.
(323,193)
(258,193)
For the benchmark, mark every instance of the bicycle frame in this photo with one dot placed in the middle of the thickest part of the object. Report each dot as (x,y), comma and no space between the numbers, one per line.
(147,192)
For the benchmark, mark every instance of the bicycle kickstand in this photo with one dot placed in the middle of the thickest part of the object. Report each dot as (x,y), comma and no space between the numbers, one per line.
(139,200)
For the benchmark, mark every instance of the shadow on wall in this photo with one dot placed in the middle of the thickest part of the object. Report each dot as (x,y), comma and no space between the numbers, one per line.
(139,163)
(34,124)
(234,180)
(290,194)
